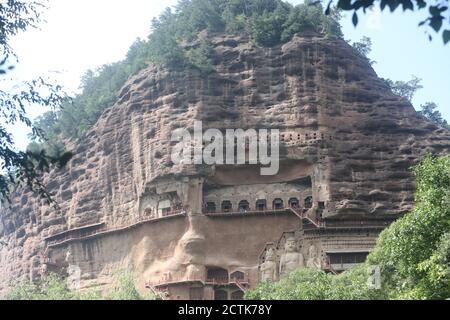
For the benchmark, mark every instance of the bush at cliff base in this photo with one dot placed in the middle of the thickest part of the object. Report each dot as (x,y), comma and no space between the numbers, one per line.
(55,288)
(312,284)
(413,254)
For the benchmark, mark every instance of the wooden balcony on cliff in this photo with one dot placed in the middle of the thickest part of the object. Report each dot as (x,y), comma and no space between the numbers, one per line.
(310,218)
(238,279)
(248,212)
(67,233)
(100,229)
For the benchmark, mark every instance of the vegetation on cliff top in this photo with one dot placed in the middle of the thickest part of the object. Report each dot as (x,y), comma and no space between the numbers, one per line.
(404,89)
(413,254)
(174,42)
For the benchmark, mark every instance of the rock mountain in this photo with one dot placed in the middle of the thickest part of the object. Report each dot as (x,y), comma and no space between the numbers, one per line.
(212,232)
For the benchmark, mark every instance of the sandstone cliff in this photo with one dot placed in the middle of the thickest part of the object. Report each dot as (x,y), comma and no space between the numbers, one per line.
(341,128)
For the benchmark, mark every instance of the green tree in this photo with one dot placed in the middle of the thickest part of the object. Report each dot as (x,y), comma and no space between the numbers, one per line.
(429,111)
(413,254)
(22,167)
(55,287)
(405,89)
(302,284)
(312,284)
(364,48)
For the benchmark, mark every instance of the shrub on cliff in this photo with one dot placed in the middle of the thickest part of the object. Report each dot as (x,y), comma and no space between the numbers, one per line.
(55,287)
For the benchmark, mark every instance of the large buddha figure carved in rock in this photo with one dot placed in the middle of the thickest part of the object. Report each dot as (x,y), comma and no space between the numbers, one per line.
(290,259)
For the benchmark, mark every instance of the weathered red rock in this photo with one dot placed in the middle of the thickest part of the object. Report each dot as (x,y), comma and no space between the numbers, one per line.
(348,142)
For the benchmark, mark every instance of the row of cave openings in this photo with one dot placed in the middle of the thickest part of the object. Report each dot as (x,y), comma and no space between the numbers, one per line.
(260,205)
(291,137)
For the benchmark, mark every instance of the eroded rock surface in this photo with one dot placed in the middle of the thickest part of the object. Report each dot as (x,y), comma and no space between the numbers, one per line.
(347,144)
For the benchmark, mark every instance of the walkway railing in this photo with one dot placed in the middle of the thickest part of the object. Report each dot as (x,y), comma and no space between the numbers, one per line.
(245,212)
(158,292)
(310,217)
(172,280)
(85,234)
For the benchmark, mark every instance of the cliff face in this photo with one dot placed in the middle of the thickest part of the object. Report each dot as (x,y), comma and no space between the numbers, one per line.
(347,142)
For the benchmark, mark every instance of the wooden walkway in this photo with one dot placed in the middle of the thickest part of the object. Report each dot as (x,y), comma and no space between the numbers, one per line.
(81,234)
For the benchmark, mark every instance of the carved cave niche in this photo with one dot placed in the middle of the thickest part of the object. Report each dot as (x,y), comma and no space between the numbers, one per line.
(227,206)
(220,294)
(237,295)
(341,261)
(261,205)
(210,207)
(262,256)
(237,275)
(244,206)
(168,203)
(217,274)
(148,204)
(308,203)
(278,204)
(294,203)
(164,207)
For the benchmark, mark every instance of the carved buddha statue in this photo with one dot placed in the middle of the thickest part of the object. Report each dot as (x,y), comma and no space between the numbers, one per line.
(268,269)
(290,259)
(313,258)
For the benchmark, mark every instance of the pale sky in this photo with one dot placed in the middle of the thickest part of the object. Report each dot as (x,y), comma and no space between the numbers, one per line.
(84,34)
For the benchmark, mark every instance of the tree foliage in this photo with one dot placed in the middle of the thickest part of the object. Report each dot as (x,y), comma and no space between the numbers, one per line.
(269,22)
(312,284)
(17,16)
(364,48)
(55,287)
(405,89)
(429,111)
(438,19)
(22,167)
(413,254)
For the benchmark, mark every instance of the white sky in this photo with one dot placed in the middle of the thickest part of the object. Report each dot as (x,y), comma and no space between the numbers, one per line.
(84,34)
(79,35)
